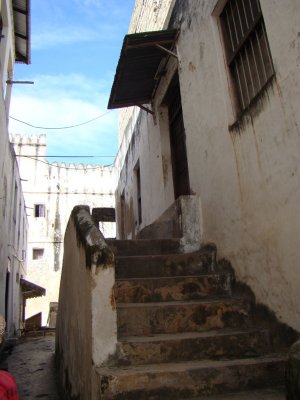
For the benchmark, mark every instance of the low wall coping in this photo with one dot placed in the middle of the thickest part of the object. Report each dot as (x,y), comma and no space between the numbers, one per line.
(88,234)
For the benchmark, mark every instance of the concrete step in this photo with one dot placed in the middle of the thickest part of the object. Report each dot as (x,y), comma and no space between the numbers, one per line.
(277,393)
(191,346)
(201,262)
(172,288)
(144,247)
(190,379)
(182,316)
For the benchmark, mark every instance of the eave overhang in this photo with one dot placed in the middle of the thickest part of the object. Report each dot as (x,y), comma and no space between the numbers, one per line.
(21,12)
(31,290)
(142,63)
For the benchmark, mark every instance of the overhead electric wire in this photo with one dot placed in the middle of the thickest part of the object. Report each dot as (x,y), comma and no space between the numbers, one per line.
(61,127)
(60,156)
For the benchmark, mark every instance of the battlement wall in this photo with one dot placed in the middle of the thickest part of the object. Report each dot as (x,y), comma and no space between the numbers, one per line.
(53,176)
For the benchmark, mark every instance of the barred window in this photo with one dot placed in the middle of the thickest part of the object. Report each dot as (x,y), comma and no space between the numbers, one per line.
(247,49)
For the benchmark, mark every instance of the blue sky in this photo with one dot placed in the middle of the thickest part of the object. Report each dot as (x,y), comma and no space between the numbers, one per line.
(75,47)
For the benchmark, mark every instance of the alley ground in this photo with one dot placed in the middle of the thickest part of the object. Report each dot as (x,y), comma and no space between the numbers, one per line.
(32,365)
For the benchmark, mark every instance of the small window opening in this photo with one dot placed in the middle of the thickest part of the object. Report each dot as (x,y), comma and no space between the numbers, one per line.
(15,203)
(37,254)
(39,210)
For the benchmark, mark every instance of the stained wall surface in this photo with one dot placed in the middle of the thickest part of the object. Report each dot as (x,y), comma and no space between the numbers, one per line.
(245,169)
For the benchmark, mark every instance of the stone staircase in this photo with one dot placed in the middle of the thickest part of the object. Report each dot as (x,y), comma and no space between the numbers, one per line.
(182,332)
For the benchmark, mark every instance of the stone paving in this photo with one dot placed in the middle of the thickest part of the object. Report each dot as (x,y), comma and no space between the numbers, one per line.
(264,394)
(32,365)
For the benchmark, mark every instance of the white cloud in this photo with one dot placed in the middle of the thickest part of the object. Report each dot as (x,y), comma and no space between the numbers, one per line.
(116,8)
(53,36)
(61,36)
(84,21)
(64,100)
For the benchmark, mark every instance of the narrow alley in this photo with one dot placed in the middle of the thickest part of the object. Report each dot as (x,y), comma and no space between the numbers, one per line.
(149,188)
(31,363)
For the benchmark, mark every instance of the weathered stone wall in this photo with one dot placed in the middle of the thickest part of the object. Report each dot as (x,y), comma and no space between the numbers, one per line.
(86,321)
(247,176)
(59,187)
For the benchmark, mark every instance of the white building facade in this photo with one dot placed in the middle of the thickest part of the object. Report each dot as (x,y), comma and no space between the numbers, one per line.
(14,46)
(222,126)
(51,191)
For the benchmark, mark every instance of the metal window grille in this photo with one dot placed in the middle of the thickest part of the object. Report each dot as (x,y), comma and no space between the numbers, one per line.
(247,49)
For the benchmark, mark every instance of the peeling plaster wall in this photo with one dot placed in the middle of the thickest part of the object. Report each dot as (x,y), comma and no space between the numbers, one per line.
(59,187)
(247,177)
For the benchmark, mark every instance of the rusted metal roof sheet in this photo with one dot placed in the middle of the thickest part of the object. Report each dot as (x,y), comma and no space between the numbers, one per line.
(140,67)
(30,290)
(21,12)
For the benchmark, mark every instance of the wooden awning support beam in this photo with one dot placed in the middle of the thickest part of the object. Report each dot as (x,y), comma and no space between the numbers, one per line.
(166,50)
(145,109)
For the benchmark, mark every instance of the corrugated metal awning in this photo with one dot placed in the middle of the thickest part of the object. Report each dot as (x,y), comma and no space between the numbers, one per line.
(21,11)
(30,290)
(141,64)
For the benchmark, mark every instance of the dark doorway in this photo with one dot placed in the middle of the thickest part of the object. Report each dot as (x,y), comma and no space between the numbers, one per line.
(7,297)
(138,191)
(177,140)
(123,212)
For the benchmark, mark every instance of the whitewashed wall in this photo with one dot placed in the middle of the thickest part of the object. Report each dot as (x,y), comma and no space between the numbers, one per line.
(13,222)
(247,178)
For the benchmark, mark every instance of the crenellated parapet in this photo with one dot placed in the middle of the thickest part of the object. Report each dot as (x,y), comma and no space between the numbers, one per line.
(28,140)
(87,168)
(85,178)
(60,177)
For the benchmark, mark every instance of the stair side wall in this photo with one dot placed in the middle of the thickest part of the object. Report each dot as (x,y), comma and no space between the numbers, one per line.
(86,320)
